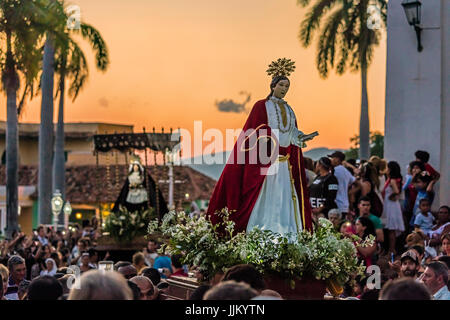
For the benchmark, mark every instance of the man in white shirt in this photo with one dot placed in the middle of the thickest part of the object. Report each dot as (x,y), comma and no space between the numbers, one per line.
(17,272)
(42,237)
(345,179)
(435,278)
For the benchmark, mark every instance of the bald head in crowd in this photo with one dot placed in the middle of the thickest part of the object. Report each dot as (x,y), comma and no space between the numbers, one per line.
(145,286)
(128,271)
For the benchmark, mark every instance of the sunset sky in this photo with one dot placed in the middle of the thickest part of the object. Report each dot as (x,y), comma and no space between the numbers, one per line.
(171,60)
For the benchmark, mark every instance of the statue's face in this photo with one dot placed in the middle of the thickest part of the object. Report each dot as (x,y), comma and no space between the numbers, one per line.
(135,168)
(281,89)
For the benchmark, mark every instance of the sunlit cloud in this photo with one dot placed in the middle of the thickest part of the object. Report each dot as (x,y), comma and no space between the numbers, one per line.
(228,105)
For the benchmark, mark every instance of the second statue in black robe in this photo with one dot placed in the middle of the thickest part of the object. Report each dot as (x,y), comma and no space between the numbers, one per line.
(136,196)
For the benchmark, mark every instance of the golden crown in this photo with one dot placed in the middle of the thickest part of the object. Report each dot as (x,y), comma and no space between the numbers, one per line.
(134,158)
(281,67)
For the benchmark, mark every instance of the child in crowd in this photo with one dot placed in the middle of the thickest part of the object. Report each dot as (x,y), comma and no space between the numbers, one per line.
(423,183)
(424,219)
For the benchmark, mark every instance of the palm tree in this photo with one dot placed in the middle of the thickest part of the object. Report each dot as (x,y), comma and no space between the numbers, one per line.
(345,36)
(55,14)
(71,64)
(20,65)
(46,134)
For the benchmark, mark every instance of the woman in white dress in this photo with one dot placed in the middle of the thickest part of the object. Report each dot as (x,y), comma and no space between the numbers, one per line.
(392,217)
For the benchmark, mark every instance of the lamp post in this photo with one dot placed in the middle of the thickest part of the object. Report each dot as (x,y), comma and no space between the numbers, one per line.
(413,15)
(170,163)
(57,205)
(67,211)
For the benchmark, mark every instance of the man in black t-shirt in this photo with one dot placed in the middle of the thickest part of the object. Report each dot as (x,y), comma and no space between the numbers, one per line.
(323,190)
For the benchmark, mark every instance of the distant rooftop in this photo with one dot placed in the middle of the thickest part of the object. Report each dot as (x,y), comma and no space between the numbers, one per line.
(89,184)
(72,129)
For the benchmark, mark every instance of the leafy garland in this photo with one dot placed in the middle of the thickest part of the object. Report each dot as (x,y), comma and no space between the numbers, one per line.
(323,254)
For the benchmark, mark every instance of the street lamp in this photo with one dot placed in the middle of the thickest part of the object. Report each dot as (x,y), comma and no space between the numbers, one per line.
(67,211)
(413,15)
(170,163)
(57,205)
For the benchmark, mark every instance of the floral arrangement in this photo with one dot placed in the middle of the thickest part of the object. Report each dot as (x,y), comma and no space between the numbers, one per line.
(323,254)
(124,226)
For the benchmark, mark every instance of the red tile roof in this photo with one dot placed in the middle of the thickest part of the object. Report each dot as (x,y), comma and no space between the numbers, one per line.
(90,185)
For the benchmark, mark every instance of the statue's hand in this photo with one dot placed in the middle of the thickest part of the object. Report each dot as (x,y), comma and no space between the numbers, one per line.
(307,137)
(299,143)
(302,138)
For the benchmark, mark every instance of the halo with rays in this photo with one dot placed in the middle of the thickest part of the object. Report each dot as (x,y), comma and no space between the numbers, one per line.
(281,67)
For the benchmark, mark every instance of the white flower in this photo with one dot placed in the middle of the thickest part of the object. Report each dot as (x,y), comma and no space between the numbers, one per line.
(325,223)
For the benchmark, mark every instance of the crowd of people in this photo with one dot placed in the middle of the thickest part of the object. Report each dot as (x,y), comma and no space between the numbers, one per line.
(41,267)
(370,198)
(373,198)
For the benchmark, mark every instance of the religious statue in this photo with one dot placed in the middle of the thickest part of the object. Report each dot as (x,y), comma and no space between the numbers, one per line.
(269,195)
(139,191)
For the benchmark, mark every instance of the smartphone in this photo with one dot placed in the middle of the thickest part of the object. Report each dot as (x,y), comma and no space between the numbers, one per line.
(106,266)
(392,257)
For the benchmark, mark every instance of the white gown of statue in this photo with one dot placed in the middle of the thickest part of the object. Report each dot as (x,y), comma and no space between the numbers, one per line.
(275,209)
(137,194)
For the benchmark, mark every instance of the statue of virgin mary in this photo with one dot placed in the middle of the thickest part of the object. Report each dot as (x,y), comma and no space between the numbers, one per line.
(139,191)
(267,195)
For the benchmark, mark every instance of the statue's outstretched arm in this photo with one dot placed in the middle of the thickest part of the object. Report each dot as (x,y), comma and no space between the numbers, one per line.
(301,138)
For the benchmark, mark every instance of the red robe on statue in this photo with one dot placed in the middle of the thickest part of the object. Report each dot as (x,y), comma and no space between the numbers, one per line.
(240,184)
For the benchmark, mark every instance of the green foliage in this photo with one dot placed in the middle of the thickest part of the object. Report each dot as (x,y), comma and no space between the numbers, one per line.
(22,29)
(199,240)
(124,226)
(376,146)
(24,25)
(345,41)
(70,60)
(323,254)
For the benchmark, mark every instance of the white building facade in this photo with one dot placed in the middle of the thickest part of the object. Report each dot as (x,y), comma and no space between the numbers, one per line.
(418,90)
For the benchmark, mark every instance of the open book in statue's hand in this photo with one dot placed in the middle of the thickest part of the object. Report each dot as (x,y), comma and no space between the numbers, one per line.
(302,138)
(307,137)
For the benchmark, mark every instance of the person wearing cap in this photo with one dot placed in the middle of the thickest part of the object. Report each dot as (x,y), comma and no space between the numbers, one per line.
(323,190)
(409,265)
(344,178)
